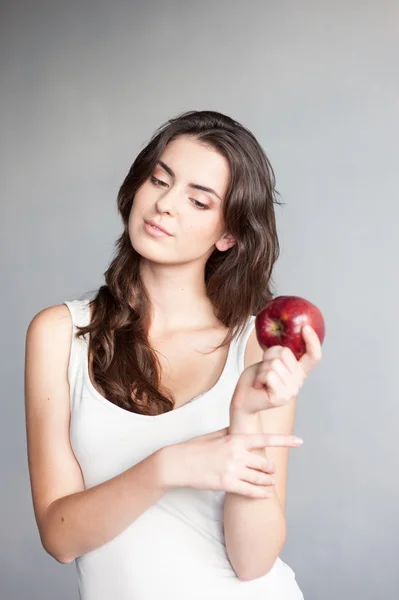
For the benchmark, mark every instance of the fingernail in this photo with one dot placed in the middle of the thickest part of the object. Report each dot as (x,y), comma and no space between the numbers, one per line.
(297,442)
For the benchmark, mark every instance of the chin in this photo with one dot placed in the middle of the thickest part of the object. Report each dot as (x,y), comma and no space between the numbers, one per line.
(147,250)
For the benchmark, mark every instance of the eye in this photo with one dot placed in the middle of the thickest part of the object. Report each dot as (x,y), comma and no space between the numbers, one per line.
(158,182)
(200,205)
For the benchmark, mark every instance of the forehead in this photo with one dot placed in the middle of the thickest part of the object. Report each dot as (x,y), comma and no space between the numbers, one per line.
(194,162)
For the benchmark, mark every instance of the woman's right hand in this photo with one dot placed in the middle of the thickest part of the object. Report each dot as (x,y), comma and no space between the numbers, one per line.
(223,462)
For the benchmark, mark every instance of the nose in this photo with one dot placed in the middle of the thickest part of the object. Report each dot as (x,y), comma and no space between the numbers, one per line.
(168,201)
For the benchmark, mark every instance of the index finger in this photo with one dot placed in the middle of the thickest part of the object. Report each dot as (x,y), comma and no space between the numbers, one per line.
(262,440)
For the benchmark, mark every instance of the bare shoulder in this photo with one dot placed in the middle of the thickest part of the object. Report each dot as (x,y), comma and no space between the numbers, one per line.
(48,342)
(54,470)
(55,319)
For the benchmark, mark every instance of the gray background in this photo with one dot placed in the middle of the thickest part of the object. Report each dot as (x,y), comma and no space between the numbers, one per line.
(84,84)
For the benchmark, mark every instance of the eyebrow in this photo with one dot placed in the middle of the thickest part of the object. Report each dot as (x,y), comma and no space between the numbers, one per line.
(196,186)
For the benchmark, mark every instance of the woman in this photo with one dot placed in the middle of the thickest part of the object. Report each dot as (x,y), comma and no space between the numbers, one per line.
(148,407)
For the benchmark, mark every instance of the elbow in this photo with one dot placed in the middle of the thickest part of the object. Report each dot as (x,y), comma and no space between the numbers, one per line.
(63,561)
(54,552)
(250,576)
(254,571)
(51,539)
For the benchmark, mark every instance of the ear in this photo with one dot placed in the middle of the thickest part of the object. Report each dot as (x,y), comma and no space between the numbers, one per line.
(225,242)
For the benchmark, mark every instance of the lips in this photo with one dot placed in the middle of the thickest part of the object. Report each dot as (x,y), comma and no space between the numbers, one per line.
(155,224)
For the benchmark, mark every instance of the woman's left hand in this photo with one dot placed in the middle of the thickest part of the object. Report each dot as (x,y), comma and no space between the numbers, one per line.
(277,379)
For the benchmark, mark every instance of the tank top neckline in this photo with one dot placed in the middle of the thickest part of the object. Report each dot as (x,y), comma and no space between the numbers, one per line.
(197,401)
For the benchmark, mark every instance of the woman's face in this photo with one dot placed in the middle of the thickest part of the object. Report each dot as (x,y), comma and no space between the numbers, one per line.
(192,216)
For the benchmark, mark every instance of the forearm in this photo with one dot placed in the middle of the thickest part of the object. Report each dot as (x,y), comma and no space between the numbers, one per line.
(81,522)
(255,529)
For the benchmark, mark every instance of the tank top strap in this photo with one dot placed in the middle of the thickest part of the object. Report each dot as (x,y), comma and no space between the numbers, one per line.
(80,311)
(80,316)
(241,342)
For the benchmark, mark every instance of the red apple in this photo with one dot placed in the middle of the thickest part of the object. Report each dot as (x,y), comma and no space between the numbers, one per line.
(280,321)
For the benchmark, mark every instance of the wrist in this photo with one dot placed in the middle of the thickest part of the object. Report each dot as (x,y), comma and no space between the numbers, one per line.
(242,421)
(167,465)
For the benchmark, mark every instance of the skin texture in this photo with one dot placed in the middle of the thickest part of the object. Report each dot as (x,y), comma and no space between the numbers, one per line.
(73,520)
(265,401)
(173,267)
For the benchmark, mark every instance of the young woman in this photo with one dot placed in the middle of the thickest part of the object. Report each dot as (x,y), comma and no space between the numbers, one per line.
(150,405)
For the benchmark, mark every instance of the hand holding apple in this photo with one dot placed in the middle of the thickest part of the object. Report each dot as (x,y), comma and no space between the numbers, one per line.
(280,322)
(290,330)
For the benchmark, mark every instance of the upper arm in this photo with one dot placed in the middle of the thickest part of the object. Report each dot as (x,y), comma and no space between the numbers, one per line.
(53,469)
(275,420)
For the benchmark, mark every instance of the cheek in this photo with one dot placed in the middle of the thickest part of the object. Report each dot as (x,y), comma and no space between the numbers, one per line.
(139,198)
(140,206)
(206,227)
(131,217)
(199,235)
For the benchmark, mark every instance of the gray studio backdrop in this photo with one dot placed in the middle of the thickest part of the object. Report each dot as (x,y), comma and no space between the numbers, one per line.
(84,84)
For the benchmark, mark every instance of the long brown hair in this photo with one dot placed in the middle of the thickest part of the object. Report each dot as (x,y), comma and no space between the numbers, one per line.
(238,280)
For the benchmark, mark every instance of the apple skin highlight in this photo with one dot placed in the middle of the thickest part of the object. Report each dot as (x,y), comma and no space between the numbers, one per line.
(280,322)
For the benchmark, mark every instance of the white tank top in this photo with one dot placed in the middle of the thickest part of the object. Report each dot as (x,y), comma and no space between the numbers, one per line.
(175,550)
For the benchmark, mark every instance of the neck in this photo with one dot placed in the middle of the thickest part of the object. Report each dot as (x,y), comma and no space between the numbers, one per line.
(178,297)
